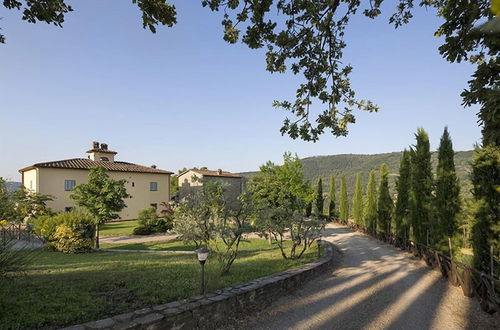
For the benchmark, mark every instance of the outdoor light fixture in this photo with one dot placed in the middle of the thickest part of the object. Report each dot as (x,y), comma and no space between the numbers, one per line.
(318,241)
(202,255)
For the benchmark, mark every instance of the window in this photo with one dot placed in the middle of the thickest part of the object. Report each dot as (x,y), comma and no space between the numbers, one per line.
(154,205)
(68,209)
(31,184)
(69,184)
(104,159)
(133,184)
(153,186)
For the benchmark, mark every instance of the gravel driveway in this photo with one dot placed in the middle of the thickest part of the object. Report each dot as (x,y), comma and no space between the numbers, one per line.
(375,287)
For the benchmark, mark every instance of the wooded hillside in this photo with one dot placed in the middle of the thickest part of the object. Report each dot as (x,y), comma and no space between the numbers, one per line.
(350,164)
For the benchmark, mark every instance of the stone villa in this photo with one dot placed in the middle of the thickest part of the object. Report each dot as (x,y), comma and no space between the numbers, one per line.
(192,180)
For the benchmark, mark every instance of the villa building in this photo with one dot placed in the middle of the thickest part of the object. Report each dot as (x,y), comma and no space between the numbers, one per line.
(191,181)
(148,185)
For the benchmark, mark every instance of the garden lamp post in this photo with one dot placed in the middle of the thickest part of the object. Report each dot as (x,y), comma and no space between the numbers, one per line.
(318,241)
(202,255)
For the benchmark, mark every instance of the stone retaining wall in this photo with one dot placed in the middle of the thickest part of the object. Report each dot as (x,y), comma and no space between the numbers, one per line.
(215,307)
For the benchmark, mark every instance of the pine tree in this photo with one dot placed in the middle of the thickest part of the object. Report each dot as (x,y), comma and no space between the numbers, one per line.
(319,199)
(357,202)
(401,214)
(486,227)
(447,200)
(421,189)
(370,211)
(385,204)
(344,204)
(332,212)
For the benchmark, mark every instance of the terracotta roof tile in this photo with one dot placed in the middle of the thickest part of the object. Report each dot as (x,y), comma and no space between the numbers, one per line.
(215,173)
(85,164)
(101,150)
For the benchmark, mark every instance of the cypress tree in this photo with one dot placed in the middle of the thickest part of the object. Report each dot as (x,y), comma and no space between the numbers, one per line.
(370,211)
(357,203)
(447,200)
(421,188)
(332,212)
(344,204)
(401,213)
(486,227)
(385,204)
(319,199)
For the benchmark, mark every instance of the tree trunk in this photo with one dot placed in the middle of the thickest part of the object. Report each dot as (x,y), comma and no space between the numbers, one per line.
(97,236)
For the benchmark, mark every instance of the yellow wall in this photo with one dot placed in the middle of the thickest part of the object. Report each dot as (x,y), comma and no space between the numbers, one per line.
(192,182)
(30,180)
(51,181)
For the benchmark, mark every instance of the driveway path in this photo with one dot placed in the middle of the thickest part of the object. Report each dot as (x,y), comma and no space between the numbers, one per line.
(375,287)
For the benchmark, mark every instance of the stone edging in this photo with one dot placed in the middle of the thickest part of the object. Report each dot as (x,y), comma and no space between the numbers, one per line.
(217,306)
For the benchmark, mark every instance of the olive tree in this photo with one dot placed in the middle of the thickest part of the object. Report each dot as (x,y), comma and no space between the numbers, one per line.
(280,194)
(206,219)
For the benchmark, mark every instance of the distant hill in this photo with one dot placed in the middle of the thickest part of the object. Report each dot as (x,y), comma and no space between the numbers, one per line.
(12,185)
(350,164)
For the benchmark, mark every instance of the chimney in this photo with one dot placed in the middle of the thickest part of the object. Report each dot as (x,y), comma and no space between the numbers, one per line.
(219,172)
(153,166)
(95,145)
(104,146)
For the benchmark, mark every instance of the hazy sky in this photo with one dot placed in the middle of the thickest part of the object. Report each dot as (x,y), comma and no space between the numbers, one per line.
(184,97)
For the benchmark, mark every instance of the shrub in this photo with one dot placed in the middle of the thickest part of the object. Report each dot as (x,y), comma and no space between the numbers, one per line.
(150,221)
(71,240)
(69,232)
(46,226)
(142,230)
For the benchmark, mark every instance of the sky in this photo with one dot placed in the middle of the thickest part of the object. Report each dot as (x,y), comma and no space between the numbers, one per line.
(184,97)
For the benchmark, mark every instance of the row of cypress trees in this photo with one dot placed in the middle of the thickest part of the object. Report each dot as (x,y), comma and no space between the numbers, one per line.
(425,208)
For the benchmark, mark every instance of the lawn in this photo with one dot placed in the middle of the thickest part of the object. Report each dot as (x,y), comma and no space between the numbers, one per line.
(176,245)
(61,289)
(118,228)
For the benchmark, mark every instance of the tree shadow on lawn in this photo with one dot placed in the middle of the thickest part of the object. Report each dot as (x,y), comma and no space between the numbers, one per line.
(98,286)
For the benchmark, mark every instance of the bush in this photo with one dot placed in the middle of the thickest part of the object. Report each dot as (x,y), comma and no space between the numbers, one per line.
(150,222)
(46,226)
(71,240)
(142,230)
(69,232)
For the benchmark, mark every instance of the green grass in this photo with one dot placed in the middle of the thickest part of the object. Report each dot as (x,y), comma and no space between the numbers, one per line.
(59,289)
(118,228)
(176,245)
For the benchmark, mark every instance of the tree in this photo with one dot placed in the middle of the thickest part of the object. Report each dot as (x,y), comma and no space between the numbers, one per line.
(486,227)
(402,210)
(101,196)
(370,211)
(307,37)
(280,194)
(344,204)
(174,185)
(421,189)
(332,211)
(357,202)
(319,199)
(6,203)
(447,200)
(206,219)
(385,204)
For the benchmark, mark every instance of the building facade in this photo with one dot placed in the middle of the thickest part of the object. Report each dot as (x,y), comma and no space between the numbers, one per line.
(192,181)
(148,185)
